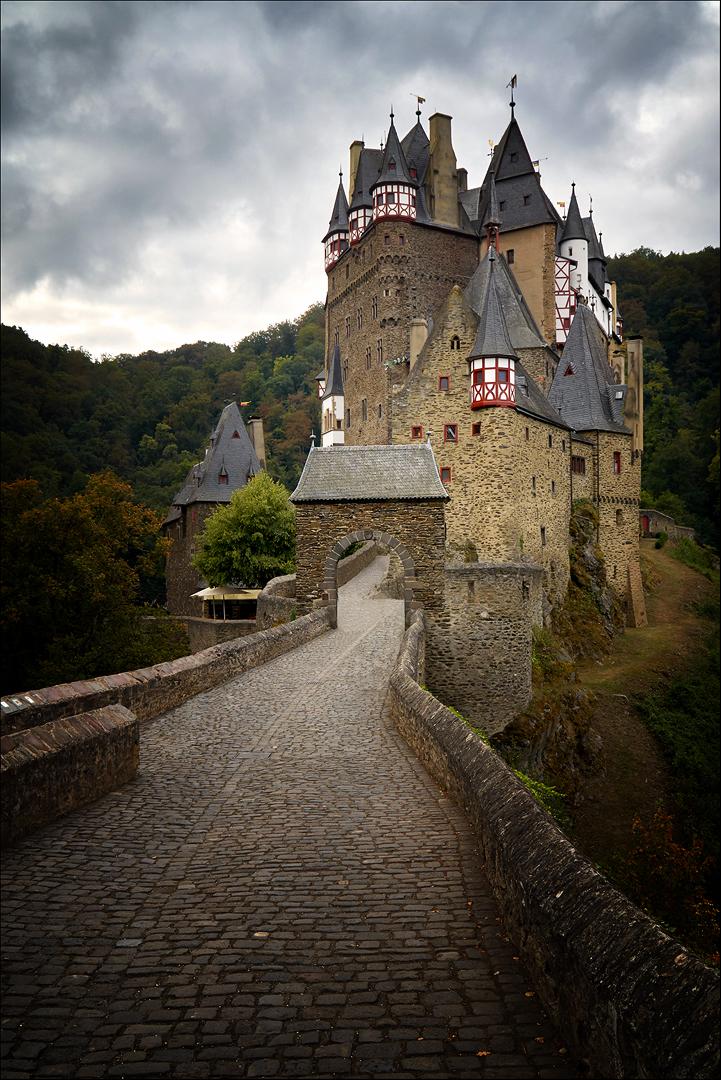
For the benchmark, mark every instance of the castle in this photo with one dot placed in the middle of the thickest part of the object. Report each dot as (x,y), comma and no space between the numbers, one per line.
(483,321)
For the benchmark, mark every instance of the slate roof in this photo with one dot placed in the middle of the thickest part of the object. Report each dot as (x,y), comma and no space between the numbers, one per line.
(520,324)
(417,148)
(514,181)
(492,338)
(587,398)
(369,474)
(393,153)
(531,400)
(369,166)
(231,452)
(573,227)
(334,386)
(339,218)
(492,215)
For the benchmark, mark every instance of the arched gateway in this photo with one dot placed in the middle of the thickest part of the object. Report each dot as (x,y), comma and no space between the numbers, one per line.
(392,494)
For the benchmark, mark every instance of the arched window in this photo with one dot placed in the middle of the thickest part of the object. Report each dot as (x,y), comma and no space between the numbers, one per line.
(456,342)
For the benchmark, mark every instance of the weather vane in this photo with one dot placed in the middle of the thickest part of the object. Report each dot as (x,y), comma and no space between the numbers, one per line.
(512,84)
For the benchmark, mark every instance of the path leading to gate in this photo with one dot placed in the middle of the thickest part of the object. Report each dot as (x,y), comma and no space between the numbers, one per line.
(283,891)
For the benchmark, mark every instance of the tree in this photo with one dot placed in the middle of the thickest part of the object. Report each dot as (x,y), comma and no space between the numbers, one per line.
(252,539)
(71,579)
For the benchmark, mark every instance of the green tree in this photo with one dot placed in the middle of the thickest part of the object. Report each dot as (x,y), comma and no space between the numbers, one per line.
(71,582)
(252,539)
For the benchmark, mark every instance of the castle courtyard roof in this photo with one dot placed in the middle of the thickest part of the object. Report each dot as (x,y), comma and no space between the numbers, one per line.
(369,474)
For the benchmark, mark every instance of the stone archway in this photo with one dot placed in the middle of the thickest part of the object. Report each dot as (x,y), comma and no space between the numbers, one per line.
(330,569)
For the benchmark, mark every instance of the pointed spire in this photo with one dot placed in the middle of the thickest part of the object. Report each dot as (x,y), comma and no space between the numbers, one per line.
(492,338)
(492,217)
(394,168)
(339,218)
(334,386)
(573,229)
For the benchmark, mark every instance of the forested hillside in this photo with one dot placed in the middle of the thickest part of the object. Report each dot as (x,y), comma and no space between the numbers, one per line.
(148,417)
(673,302)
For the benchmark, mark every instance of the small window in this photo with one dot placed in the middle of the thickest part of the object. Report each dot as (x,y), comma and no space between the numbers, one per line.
(345,371)
(526,200)
(401,239)
(616,462)
(360,318)
(456,342)
(444,382)
(578,465)
(369,358)
(450,433)
(568,371)
(476,430)
(417,432)
(502,206)
(445,474)
(619,517)
(510,256)
(386,292)
(386,239)
(380,412)
(543,535)
(374,310)
(553,487)
(414,172)
(514,158)
(563,446)
(347,271)
(347,326)
(392,164)
(224,478)
(379,351)
(364,409)
(546,368)
(533,482)
(528,434)
(235,435)
(347,418)
(550,441)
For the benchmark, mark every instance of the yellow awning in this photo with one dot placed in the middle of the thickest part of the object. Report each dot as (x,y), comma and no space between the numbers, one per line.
(227,593)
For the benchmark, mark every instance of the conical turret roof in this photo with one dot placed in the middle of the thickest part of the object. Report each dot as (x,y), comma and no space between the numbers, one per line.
(583,390)
(417,149)
(573,228)
(394,169)
(492,338)
(334,386)
(369,164)
(339,218)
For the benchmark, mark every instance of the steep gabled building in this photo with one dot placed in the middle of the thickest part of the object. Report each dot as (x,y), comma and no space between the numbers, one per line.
(231,459)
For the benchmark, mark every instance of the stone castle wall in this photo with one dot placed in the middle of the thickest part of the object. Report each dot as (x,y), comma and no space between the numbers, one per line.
(478,656)
(181,576)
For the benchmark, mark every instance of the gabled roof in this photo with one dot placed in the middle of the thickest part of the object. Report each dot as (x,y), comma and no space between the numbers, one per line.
(492,338)
(531,400)
(334,386)
(369,166)
(339,218)
(520,324)
(369,473)
(573,228)
(587,398)
(417,149)
(231,452)
(394,169)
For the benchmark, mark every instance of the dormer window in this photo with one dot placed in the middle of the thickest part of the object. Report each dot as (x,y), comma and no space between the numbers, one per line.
(414,173)
(223,477)
(514,158)
(526,200)
(236,435)
(502,206)
(392,165)
(568,371)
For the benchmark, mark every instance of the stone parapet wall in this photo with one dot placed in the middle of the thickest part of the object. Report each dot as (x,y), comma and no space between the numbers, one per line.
(658,522)
(349,567)
(276,602)
(629,999)
(50,770)
(152,691)
(204,633)
(480,644)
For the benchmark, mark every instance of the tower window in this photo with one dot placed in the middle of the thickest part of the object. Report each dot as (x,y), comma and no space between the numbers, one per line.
(563,446)
(616,462)
(345,371)
(364,409)
(619,517)
(456,342)
(369,358)
(526,200)
(347,418)
(543,535)
(528,435)
(224,478)
(386,239)
(444,382)
(417,432)
(510,256)
(550,441)
(414,172)
(514,157)
(502,206)
(347,326)
(374,307)
(379,351)
(401,239)
(578,465)
(476,429)
(553,487)
(380,412)
(337,335)
(533,482)
(445,474)
(360,318)
(391,164)
(450,433)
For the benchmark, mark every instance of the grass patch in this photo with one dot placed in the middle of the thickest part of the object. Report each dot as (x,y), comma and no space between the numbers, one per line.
(352,550)
(701,559)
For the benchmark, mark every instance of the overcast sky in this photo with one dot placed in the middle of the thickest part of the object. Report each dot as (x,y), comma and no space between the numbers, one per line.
(169,169)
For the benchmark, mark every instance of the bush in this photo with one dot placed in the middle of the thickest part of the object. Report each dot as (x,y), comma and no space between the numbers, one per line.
(662,538)
(698,558)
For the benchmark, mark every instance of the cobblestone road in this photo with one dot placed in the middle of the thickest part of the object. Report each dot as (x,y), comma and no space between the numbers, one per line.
(283,891)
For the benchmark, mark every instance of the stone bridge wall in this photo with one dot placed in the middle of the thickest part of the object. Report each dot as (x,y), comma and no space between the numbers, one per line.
(629,998)
(152,691)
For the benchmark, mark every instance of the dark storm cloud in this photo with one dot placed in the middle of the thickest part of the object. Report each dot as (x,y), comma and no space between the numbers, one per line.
(137,128)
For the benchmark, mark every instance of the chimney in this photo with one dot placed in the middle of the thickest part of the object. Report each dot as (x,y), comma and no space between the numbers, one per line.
(255,432)
(463,179)
(355,152)
(442,173)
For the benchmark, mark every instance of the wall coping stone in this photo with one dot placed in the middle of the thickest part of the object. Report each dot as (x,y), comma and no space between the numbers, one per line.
(629,998)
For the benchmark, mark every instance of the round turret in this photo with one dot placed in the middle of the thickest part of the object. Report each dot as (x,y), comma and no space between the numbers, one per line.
(394,193)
